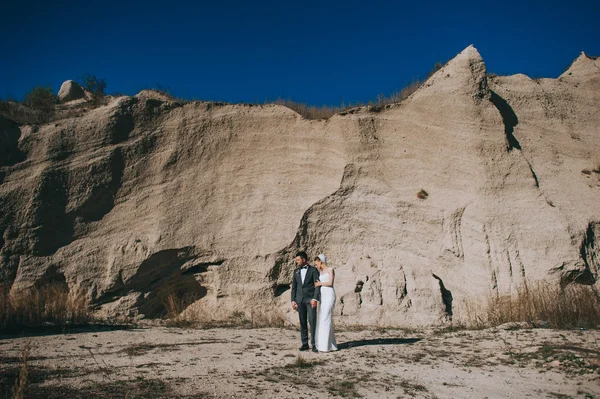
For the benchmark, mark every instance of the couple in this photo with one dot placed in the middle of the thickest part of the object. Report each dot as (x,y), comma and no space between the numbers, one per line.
(309,286)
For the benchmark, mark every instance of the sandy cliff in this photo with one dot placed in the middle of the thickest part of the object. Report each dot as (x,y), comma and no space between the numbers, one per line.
(147,196)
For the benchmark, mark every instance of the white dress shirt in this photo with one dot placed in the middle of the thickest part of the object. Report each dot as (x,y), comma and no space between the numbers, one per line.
(303,273)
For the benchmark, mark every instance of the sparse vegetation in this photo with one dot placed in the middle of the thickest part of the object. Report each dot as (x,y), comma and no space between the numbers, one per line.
(422,194)
(310,111)
(346,388)
(42,99)
(37,108)
(570,359)
(586,172)
(174,364)
(542,304)
(326,112)
(302,363)
(21,113)
(138,388)
(411,388)
(18,390)
(165,91)
(96,86)
(405,92)
(52,304)
(140,349)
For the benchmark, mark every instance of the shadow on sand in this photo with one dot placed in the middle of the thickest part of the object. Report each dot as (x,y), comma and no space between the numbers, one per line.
(378,341)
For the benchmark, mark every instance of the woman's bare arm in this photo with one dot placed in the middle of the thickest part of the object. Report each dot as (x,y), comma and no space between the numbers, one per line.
(330,282)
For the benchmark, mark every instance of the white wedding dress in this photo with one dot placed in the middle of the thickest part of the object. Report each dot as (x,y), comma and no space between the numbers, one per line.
(324,337)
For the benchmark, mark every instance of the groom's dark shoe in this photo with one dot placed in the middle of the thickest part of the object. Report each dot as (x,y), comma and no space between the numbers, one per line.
(314,349)
(303,348)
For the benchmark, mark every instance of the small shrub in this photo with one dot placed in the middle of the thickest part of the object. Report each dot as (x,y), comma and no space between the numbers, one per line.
(422,194)
(41,98)
(586,172)
(96,86)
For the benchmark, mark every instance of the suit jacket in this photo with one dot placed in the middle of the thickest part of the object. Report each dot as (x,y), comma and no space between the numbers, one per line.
(307,291)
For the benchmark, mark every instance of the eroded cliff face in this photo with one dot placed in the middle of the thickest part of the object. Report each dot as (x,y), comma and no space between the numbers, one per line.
(145,197)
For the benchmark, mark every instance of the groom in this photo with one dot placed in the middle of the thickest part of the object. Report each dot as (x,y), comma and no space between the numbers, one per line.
(305,297)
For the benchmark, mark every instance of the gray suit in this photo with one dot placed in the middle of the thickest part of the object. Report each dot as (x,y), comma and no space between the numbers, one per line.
(302,294)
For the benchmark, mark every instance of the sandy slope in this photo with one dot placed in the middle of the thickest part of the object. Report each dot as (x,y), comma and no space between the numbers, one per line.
(246,363)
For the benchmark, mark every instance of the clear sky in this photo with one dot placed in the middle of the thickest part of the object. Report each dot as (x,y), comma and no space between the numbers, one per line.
(319,52)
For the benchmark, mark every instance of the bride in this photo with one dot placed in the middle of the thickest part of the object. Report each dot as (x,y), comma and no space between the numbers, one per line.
(325,338)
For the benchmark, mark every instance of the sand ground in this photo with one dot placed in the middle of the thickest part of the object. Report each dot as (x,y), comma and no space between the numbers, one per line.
(165,362)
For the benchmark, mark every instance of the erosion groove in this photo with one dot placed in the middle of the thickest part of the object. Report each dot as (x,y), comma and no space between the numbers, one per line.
(10,153)
(590,255)
(456,232)
(535,178)
(49,225)
(105,180)
(509,118)
(121,124)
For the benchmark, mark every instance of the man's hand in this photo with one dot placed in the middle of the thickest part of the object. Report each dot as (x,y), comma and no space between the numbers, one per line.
(313,303)
(294,306)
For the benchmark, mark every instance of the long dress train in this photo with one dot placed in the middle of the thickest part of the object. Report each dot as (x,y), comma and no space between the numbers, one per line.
(325,337)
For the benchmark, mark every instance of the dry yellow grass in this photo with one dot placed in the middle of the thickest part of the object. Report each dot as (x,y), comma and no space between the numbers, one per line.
(52,304)
(540,304)
(18,391)
(310,111)
(326,112)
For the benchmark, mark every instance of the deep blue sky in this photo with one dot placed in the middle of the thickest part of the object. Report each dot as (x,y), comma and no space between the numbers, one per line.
(317,52)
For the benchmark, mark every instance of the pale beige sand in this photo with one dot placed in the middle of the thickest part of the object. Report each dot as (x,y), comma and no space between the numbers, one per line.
(224,363)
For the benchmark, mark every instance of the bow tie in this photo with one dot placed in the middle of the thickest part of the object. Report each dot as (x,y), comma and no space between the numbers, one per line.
(304,267)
